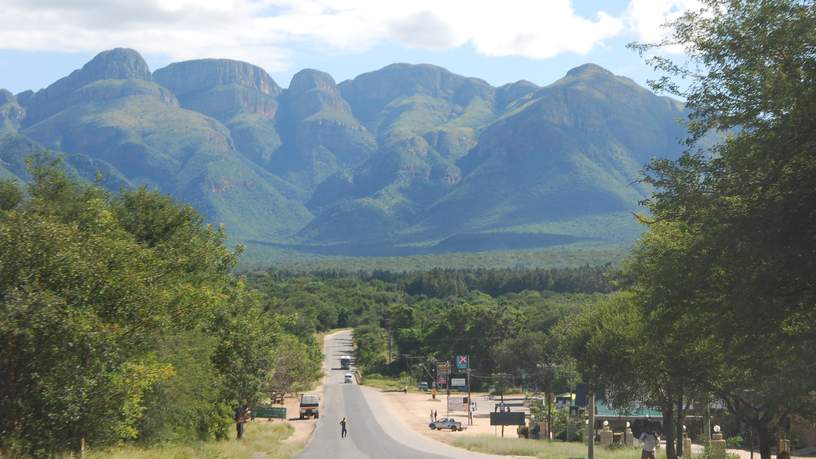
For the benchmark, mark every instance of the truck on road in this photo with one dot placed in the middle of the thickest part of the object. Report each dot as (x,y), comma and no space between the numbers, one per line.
(345,362)
(309,406)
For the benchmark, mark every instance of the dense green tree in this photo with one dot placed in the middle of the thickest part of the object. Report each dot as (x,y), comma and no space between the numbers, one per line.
(10,195)
(120,320)
(296,366)
(247,339)
(81,299)
(749,207)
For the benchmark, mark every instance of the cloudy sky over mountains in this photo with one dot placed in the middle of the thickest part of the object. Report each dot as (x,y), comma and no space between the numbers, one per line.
(499,41)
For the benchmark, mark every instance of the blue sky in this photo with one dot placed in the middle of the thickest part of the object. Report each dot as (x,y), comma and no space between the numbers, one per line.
(501,42)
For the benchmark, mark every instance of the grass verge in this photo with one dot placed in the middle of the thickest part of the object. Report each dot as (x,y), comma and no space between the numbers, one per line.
(389,383)
(539,449)
(262,440)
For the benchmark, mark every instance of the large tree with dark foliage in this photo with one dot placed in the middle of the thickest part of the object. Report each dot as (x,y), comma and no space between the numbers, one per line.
(119,319)
(750,207)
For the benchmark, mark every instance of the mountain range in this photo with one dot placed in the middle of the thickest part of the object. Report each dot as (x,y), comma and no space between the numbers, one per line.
(405,159)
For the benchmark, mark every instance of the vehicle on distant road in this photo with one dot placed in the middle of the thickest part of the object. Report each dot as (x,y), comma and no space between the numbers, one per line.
(348,378)
(423,386)
(447,423)
(345,362)
(309,406)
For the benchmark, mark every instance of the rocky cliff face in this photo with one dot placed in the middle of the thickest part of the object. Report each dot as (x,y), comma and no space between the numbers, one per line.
(198,75)
(370,92)
(115,64)
(11,114)
(313,93)
(320,134)
(221,88)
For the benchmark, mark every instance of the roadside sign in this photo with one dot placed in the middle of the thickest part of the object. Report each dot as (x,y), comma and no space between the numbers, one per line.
(442,369)
(457,404)
(458,382)
(462,362)
(507,418)
(442,380)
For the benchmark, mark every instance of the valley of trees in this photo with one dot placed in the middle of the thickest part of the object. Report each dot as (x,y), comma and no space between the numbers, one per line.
(436,313)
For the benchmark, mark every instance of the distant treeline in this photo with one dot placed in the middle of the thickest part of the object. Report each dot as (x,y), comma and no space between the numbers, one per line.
(441,282)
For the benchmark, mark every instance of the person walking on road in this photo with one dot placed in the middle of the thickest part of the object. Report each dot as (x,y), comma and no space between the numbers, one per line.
(649,440)
(343,430)
(432,416)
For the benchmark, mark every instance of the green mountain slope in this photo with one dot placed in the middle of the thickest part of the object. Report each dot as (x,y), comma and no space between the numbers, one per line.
(424,118)
(320,134)
(408,159)
(139,128)
(570,153)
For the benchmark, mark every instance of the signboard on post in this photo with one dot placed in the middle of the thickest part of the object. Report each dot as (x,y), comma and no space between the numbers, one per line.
(507,418)
(458,382)
(457,404)
(442,373)
(442,369)
(462,362)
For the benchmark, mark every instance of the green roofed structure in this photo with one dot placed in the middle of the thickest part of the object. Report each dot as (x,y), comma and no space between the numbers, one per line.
(604,411)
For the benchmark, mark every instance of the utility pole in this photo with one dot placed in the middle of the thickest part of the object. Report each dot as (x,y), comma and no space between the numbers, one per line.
(389,344)
(591,425)
(549,416)
(707,423)
(550,377)
(447,388)
(470,402)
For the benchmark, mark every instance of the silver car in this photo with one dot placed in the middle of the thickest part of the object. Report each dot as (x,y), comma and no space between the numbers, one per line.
(446,423)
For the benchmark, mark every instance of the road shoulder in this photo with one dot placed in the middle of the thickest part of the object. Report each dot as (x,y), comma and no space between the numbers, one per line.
(392,418)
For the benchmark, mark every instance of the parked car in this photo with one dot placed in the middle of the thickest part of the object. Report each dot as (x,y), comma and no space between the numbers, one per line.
(423,386)
(447,423)
(348,378)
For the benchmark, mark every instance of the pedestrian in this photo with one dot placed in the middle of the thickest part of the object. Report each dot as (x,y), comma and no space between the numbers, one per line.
(434,415)
(343,430)
(649,440)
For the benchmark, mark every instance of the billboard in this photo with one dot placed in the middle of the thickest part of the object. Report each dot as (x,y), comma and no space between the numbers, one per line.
(457,404)
(458,382)
(507,418)
(462,362)
(442,368)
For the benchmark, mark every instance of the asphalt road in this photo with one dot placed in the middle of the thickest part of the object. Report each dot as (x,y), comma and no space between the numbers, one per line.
(372,432)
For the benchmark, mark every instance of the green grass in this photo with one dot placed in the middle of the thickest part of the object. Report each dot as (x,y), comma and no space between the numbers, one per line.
(262,440)
(390,383)
(539,449)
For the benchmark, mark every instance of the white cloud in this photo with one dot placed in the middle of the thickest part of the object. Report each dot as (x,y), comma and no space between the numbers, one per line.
(647,17)
(265,31)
